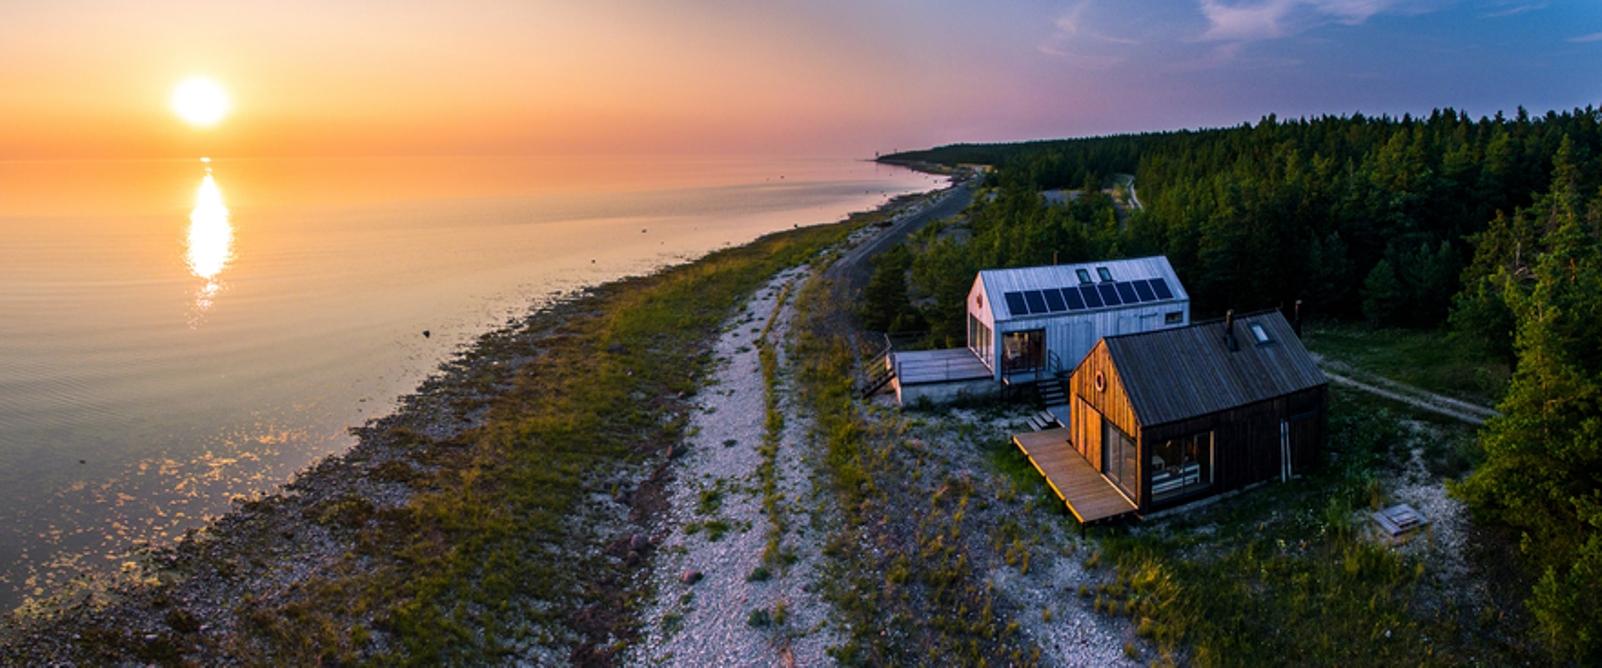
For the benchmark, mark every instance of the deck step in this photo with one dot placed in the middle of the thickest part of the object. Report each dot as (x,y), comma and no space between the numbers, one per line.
(1042,421)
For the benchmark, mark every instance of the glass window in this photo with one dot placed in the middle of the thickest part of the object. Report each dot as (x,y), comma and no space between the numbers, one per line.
(1118,458)
(1181,466)
(1173,317)
(1259,333)
(1084,276)
(1103,273)
(979,339)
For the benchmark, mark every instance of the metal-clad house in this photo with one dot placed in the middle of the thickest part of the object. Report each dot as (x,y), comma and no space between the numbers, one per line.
(1029,322)
(1171,416)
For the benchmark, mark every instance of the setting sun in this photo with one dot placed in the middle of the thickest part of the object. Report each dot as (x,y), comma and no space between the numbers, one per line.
(200,101)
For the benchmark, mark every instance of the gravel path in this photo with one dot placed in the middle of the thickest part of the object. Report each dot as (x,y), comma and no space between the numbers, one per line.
(710,578)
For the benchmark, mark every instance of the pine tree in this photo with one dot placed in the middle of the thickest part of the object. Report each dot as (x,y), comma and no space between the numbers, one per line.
(1384,297)
(1543,467)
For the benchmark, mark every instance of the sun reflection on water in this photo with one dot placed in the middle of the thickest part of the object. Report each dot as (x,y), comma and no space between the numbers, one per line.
(210,241)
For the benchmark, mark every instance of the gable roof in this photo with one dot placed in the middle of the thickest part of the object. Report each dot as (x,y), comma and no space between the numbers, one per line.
(1173,374)
(997,283)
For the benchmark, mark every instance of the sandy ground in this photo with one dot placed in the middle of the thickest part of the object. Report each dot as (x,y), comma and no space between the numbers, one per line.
(705,621)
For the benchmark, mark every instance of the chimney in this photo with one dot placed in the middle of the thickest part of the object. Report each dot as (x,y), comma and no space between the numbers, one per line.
(1229,331)
(1296,319)
(1054,257)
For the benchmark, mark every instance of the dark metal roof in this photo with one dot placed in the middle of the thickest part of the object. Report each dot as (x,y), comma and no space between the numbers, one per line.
(1173,374)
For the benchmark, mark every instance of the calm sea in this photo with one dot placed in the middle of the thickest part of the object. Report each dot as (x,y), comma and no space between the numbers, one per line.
(174,334)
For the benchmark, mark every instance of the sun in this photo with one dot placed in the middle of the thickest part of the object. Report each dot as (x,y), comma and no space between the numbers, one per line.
(200,101)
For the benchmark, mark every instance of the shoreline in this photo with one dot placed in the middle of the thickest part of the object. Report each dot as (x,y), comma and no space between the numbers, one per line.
(206,596)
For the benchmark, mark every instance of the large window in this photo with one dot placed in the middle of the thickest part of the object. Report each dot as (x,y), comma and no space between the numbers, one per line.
(1181,466)
(1023,351)
(1118,458)
(979,340)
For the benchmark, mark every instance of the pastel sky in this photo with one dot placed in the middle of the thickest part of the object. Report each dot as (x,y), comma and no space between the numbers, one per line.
(828,77)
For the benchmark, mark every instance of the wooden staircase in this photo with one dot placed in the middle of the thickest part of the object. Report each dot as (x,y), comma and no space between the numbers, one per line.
(879,371)
(1053,392)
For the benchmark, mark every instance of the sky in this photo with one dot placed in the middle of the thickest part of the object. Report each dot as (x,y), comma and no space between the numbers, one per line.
(83,79)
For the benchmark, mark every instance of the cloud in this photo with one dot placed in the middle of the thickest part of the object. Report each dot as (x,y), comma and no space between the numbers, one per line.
(1515,10)
(1586,39)
(1073,40)
(1273,19)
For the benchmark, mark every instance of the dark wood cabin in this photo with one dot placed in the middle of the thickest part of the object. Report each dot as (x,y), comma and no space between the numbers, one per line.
(1175,415)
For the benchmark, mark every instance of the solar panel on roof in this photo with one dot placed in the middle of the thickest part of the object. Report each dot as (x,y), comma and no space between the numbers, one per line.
(1160,287)
(1092,298)
(1144,289)
(1126,291)
(1016,304)
(1037,303)
(1054,300)
(1075,302)
(1109,294)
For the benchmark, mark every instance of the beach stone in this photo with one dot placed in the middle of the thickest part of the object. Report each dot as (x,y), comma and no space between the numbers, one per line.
(639,542)
(690,576)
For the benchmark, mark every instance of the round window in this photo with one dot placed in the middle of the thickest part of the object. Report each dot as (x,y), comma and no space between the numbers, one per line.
(1101,382)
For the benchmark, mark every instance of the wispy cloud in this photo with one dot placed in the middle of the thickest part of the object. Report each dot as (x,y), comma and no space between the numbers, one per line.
(1273,19)
(1074,40)
(1587,39)
(1514,9)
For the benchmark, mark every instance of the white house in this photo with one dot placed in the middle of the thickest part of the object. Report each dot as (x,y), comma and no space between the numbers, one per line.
(1033,324)
(1030,322)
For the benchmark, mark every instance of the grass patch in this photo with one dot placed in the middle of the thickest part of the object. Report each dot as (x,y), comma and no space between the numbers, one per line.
(1429,359)
(772,435)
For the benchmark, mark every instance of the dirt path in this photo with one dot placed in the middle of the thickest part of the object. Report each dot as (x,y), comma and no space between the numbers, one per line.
(1341,373)
(720,600)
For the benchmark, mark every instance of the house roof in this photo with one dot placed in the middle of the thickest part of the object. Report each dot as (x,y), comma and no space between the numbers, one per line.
(1129,277)
(1173,374)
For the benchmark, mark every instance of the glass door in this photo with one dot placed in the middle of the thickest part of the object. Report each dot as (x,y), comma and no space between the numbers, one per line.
(1023,351)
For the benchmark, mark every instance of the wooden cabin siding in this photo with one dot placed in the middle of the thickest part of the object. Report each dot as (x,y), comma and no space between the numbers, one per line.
(1092,406)
(1195,385)
(1246,441)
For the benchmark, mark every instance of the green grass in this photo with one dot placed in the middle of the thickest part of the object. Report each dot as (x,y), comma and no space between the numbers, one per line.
(1429,359)
(772,435)
(485,551)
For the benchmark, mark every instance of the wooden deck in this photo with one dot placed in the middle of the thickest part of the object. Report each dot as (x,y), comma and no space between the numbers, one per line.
(939,366)
(1089,496)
